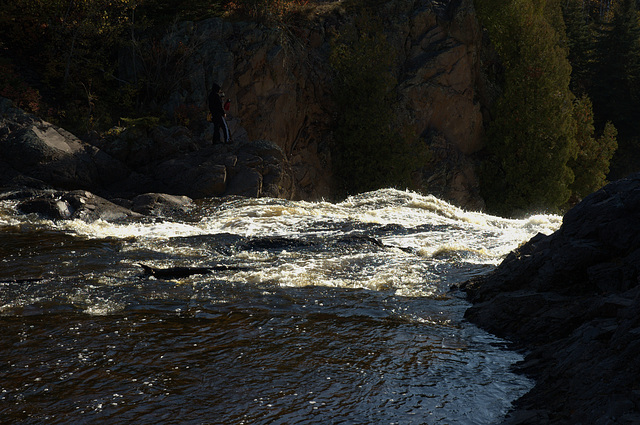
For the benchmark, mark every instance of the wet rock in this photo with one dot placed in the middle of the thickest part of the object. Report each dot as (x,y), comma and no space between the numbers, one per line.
(173,272)
(53,208)
(78,204)
(275,243)
(571,300)
(160,204)
(170,273)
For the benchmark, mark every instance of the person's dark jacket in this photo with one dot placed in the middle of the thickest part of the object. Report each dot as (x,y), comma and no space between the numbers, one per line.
(215,103)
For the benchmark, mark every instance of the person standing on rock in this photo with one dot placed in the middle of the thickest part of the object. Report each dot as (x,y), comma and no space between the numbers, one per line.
(217,114)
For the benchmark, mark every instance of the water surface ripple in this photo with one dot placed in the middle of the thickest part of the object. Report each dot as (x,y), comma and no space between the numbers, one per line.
(329,313)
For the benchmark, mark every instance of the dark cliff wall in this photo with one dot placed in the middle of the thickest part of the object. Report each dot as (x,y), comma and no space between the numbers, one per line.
(279,82)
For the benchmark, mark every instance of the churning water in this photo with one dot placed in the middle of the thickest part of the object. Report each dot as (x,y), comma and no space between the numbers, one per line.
(327,313)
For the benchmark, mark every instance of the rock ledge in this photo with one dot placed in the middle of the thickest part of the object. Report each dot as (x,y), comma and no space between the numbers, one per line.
(572,301)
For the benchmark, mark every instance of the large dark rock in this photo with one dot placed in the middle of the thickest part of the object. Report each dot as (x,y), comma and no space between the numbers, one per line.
(253,169)
(160,204)
(141,159)
(572,299)
(78,204)
(84,205)
(271,162)
(38,154)
(194,175)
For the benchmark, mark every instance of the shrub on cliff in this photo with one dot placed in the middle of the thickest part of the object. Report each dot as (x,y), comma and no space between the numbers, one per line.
(371,149)
(68,50)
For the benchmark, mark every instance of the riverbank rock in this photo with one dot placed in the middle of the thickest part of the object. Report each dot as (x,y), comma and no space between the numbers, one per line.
(133,161)
(572,300)
(78,204)
(84,205)
(38,154)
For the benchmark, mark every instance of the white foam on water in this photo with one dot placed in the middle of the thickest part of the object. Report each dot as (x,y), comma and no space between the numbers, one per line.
(435,231)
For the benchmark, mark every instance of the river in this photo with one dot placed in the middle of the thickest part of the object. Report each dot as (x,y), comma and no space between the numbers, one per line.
(332,313)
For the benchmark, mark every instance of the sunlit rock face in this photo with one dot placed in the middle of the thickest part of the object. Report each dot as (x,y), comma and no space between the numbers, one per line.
(279,83)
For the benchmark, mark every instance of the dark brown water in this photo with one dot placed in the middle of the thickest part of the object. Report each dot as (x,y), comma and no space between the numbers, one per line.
(337,313)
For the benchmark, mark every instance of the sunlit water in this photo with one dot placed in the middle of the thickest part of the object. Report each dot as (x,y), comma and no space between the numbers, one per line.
(330,313)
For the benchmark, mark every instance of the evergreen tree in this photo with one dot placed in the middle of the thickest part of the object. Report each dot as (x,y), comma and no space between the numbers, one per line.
(531,138)
(616,91)
(580,44)
(617,86)
(369,151)
(591,164)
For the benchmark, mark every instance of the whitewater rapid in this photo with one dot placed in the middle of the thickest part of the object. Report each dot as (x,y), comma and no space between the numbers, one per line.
(331,312)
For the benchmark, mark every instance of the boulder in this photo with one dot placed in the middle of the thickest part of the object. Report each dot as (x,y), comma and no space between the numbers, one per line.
(79,204)
(53,208)
(160,204)
(39,154)
(192,175)
(277,179)
(83,205)
(571,300)
(247,181)
(139,145)
(253,169)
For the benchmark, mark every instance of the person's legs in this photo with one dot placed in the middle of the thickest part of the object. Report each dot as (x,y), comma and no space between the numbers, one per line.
(216,131)
(225,130)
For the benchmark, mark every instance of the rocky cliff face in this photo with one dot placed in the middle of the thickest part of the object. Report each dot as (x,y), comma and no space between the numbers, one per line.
(279,82)
(281,117)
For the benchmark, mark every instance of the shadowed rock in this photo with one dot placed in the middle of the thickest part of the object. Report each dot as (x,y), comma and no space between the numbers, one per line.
(78,204)
(160,204)
(571,300)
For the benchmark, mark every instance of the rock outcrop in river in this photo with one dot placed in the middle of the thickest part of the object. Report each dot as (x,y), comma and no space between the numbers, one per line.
(84,205)
(38,154)
(572,300)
